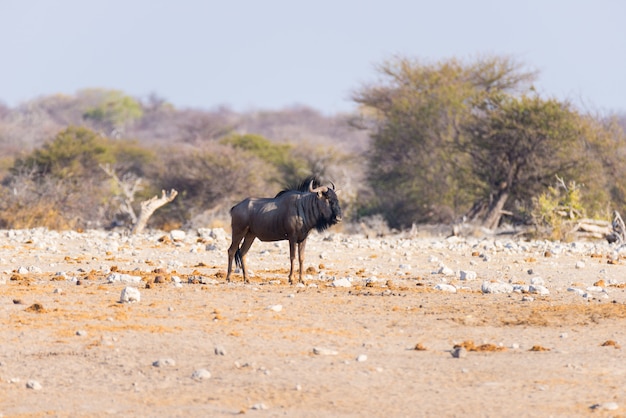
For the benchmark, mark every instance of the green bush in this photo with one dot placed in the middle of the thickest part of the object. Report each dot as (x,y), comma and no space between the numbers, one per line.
(558,208)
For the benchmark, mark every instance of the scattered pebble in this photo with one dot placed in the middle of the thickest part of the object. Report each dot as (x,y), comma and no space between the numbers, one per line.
(467,275)
(445,270)
(577,291)
(361,358)
(459,352)
(275,308)
(124,278)
(580,265)
(537,281)
(81,333)
(606,406)
(341,283)
(177,235)
(220,351)
(259,407)
(201,374)
(34,385)
(539,289)
(164,362)
(445,287)
(324,351)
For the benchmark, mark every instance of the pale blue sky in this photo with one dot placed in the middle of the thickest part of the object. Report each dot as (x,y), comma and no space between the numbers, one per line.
(271,54)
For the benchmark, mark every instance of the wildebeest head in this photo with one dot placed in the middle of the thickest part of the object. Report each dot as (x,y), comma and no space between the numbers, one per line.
(329,205)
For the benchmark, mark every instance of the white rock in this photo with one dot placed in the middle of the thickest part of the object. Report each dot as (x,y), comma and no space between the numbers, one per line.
(22,270)
(220,351)
(361,357)
(178,235)
(201,374)
(341,283)
(130,294)
(595,289)
(539,289)
(164,362)
(124,278)
(446,271)
(275,308)
(259,407)
(324,351)
(575,290)
(81,333)
(607,406)
(433,259)
(496,287)
(521,288)
(445,287)
(537,281)
(33,384)
(580,264)
(467,275)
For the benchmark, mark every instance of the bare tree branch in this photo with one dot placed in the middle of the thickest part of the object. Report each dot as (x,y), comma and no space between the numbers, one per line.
(149,206)
(130,185)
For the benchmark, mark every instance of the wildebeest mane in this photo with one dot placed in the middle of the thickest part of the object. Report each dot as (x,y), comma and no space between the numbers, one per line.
(302,187)
(323,224)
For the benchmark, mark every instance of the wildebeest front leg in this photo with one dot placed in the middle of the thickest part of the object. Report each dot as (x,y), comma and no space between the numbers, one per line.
(292,258)
(301,246)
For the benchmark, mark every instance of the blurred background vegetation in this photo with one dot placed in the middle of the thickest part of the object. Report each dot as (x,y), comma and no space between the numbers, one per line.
(439,142)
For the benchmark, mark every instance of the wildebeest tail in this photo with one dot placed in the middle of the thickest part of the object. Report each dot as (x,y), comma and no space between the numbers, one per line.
(238,261)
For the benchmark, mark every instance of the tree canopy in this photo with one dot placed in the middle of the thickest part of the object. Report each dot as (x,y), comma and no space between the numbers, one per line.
(469,138)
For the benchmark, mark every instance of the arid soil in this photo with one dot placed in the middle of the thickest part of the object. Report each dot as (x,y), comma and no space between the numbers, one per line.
(379,348)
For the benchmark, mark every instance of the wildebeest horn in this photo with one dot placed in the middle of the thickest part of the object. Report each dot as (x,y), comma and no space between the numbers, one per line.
(317,189)
(332,184)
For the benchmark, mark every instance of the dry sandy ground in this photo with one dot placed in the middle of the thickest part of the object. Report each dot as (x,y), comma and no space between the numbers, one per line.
(528,355)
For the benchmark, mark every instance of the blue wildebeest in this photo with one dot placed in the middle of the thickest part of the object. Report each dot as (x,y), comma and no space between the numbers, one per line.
(289,216)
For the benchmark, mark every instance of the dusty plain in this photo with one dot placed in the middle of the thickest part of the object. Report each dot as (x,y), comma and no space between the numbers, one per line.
(379,348)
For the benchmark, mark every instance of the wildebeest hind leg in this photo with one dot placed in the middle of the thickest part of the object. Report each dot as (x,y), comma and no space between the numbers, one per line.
(247,242)
(234,246)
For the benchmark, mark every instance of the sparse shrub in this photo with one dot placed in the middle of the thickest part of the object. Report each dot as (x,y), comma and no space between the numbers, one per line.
(558,208)
(61,184)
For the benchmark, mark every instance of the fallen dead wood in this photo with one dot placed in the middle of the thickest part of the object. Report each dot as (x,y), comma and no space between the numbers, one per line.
(614,232)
